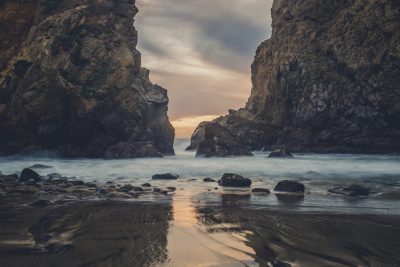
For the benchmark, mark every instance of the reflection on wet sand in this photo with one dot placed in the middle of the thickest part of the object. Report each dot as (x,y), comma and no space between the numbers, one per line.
(190,243)
(85,234)
(300,239)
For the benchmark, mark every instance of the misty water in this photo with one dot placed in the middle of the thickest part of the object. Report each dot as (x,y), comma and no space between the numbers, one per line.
(319,172)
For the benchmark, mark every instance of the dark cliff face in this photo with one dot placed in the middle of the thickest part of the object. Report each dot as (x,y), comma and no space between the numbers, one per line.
(328,79)
(72,82)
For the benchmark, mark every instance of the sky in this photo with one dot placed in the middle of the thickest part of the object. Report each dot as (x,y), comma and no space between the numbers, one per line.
(201,52)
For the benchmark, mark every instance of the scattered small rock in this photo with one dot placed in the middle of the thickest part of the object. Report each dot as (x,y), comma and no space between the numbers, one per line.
(209,180)
(165,176)
(234,180)
(157,190)
(125,188)
(260,190)
(28,174)
(289,186)
(280,153)
(146,185)
(171,188)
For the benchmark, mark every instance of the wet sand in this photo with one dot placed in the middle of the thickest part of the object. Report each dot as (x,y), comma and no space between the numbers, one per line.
(183,231)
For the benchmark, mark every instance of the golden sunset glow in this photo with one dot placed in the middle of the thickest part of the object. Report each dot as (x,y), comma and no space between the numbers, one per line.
(185,126)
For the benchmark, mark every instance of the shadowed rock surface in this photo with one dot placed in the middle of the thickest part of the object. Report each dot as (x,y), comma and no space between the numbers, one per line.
(326,81)
(234,180)
(71,82)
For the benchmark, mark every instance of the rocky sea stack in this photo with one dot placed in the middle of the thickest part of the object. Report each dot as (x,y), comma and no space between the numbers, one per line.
(72,82)
(328,80)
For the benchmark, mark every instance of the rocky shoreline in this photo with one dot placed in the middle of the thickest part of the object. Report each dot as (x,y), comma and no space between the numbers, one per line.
(53,188)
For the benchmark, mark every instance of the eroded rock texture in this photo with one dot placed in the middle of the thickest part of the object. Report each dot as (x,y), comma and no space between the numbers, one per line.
(328,79)
(72,82)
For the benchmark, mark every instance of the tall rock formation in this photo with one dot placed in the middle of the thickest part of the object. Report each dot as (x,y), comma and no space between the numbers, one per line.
(328,80)
(72,82)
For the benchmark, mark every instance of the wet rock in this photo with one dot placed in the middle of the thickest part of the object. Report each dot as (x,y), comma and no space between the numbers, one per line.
(280,153)
(234,180)
(40,203)
(146,185)
(290,198)
(171,188)
(156,190)
(125,188)
(209,180)
(166,176)
(353,190)
(260,190)
(289,186)
(28,174)
(40,166)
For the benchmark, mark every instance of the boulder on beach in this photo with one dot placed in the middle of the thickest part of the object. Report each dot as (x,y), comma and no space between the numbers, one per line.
(146,185)
(209,180)
(290,187)
(165,176)
(234,180)
(28,174)
(353,191)
(260,190)
(280,153)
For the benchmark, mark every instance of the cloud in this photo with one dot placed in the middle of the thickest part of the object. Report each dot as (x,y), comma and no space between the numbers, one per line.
(201,50)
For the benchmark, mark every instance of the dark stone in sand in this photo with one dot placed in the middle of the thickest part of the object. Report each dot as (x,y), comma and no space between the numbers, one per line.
(126,188)
(289,186)
(166,176)
(28,174)
(146,185)
(209,180)
(353,190)
(260,190)
(40,166)
(171,188)
(280,153)
(40,203)
(138,189)
(234,180)
(77,182)
(157,190)
(91,185)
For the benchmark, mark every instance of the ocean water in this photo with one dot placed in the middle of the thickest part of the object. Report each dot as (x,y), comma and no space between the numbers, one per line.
(319,172)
